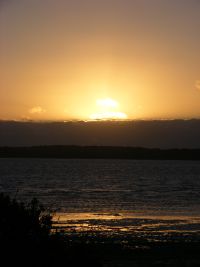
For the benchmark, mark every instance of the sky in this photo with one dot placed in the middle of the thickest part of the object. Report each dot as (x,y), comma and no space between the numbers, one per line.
(60,59)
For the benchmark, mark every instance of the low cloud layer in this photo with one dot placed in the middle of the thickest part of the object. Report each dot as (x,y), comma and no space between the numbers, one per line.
(160,134)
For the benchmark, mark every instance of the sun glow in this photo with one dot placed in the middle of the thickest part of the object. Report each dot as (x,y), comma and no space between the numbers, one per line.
(107,102)
(112,115)
(108,110)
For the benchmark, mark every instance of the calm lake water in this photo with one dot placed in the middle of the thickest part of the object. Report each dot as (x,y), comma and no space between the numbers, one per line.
(89,190)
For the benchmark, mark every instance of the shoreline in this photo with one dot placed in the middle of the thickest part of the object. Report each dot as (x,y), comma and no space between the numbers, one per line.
(33,235)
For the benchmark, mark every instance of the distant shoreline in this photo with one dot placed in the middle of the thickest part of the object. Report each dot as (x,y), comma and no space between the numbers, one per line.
(99,152)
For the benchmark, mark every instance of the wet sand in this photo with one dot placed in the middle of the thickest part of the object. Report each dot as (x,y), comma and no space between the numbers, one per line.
(125,227)
(126,240)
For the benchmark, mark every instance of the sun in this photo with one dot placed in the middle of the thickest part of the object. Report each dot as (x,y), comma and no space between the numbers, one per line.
(108,110)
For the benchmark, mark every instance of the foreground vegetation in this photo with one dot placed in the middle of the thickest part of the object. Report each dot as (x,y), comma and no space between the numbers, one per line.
(26,237)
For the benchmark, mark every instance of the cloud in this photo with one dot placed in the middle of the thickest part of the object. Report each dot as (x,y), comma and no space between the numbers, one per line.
(37,110)
(197,84)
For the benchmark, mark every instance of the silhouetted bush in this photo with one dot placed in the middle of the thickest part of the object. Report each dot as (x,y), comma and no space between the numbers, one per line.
(25,234)
(28,222)
(26,238)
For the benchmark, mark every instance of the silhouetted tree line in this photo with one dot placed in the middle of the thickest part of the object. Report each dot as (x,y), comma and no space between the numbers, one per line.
(100,152)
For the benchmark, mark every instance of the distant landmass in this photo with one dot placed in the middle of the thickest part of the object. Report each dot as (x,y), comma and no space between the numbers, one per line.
(99,152)
(163,134)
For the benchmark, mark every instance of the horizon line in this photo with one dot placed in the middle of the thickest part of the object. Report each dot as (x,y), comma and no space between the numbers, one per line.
(99,121)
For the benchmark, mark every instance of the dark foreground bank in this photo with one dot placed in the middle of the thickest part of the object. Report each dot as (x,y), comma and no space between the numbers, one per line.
(27,239)
(101,152)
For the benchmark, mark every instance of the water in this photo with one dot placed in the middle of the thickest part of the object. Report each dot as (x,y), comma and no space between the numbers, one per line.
(105,185)
(109,194)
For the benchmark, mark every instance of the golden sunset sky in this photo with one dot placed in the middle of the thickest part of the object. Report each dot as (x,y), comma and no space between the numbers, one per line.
(59,59)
